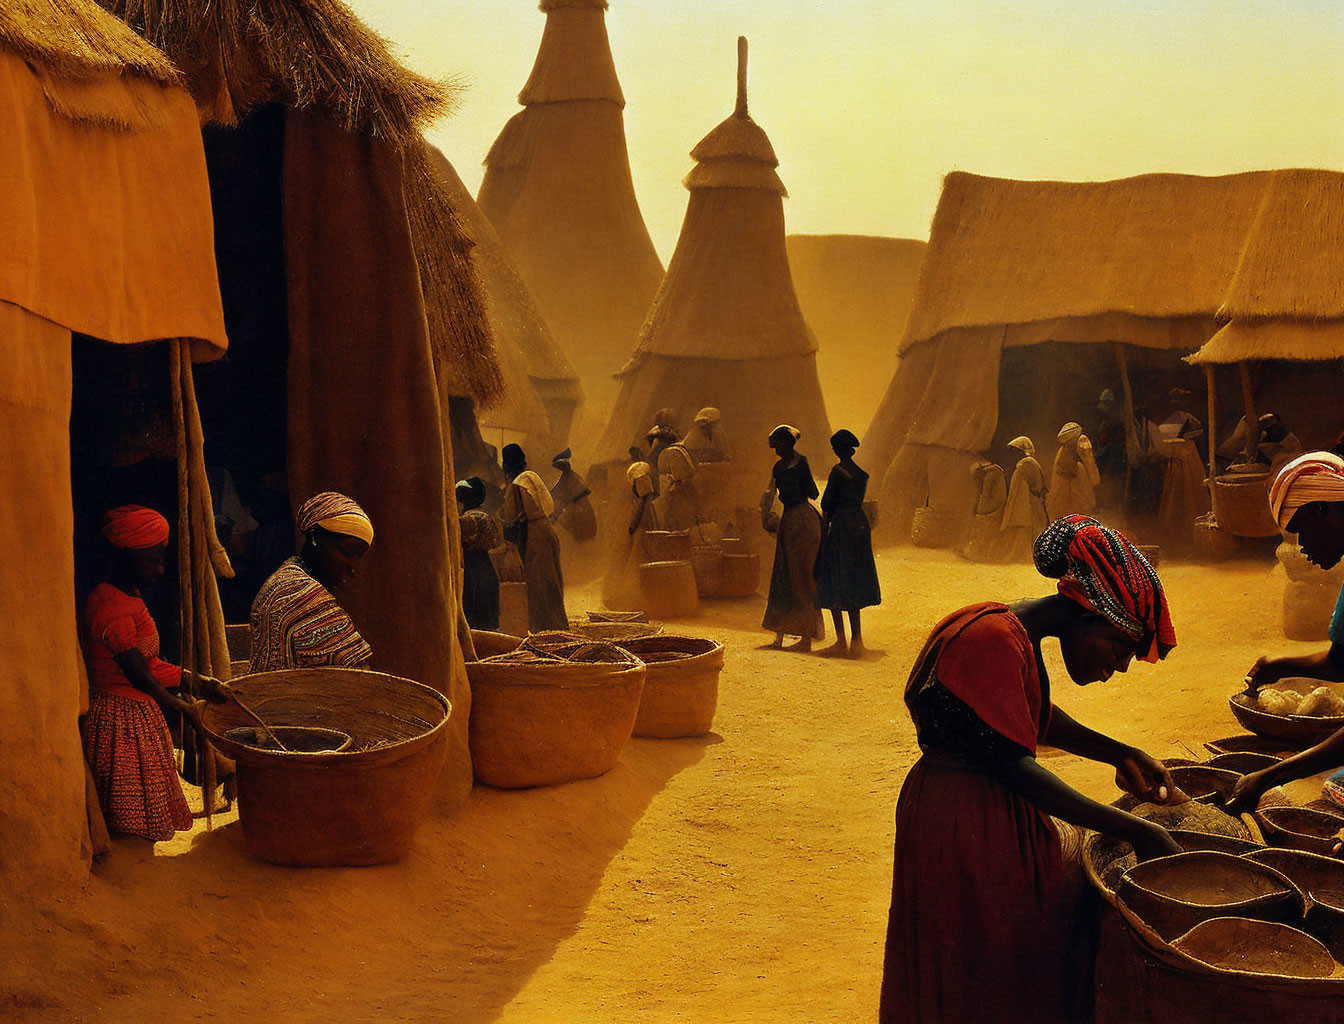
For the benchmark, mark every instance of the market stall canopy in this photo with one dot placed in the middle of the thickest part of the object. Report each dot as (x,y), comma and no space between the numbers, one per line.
(105,211)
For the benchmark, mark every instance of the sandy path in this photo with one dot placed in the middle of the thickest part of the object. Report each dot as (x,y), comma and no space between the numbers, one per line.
(741,877)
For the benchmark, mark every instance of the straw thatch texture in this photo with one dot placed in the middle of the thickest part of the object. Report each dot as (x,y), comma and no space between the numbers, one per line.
(557,189)
(1283,339)
(542,389)
(238,54)
(856,292)
(77,39)
(726,329)
(1014,252)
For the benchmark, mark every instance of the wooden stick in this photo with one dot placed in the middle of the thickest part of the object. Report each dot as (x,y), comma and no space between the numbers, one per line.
(1131,438)
(1252,420)
(1211,384)
(257,718)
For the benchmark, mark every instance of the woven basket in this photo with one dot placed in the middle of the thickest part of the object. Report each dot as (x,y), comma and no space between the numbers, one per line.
(667,545)
(1249,742)
(933,529)
(1256,947)
(669,589)
(1300,828)
(1173,894)
(609,616)
(1299,730)
(707,566)
(1201,780)
(1241,503)
(488,644)
(681,687)
(735,546)
(1243,762)
(741,575)
(616,632)
(547,724)
(355,806)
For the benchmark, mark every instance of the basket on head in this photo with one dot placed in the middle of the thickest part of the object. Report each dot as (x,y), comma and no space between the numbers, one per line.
(356,805)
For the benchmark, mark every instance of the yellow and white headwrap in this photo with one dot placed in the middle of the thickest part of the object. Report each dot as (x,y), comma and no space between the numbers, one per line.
(336,513)
(1069,432)
(1315,476)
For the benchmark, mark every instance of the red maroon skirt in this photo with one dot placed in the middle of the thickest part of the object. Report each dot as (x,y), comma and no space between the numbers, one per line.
(985,922)
(131,755)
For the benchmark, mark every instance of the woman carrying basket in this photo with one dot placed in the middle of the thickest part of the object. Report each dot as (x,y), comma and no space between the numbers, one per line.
(982,923)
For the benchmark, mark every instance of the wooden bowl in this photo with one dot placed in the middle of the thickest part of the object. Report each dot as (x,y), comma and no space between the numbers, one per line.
(1300,828)
(1298,730)
(1173,894)
(1256,947)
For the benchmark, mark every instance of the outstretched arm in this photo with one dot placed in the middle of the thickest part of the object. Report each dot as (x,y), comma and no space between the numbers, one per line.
(1052,795)
(1327,754)
(1327,666)
(1138,772)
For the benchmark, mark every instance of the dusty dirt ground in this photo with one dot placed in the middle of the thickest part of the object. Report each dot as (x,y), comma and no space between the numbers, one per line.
(744,876)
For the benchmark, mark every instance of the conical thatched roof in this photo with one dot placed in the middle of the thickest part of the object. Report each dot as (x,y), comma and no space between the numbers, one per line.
(536,373)
(558,191)
(726,329)
(316,54)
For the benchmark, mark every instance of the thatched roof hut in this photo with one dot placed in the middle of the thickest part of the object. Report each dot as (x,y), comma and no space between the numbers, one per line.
(541,388)
(558,190)
(856,292)
(105,232)
(1028,286)
(726,329)
(356,317)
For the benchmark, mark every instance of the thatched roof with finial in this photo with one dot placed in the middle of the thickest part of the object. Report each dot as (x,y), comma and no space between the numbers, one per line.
(77,39)
(737,153)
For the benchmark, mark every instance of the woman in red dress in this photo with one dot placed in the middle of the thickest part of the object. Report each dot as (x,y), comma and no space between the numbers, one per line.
(983,913)
(126,737)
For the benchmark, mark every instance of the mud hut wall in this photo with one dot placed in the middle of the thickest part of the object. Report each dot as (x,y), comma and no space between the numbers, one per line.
(366,419)
(558,190)
(42,820)
(856,293)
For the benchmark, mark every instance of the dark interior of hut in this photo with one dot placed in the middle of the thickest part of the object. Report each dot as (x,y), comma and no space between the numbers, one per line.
(242,397)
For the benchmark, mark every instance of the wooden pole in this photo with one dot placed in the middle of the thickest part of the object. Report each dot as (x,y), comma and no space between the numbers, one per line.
(1131,440)
(1252,420)
(1210,383)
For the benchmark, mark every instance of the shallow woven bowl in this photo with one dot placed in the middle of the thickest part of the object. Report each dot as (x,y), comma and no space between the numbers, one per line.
(1173,894)
(1243,762)
(1256,947)
(1300,730)
(1250,743)
(1299,828)
(1202,780)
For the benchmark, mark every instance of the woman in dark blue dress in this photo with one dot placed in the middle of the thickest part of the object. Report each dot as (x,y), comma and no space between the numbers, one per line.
(846,572)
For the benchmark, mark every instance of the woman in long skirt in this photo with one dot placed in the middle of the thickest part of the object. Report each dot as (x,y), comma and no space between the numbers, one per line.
(480,533)
(846,572)
(983,910)
(126,739)
(527,518)
(792,606)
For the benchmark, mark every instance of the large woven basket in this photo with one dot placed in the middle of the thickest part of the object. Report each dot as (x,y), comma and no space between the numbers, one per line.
(616,632)
(669,589)
(488,643)
(359,805)
(1241,504)
(681,687)
(667,545)
(1173,894)
(707,566)
(547,724)
(740,576)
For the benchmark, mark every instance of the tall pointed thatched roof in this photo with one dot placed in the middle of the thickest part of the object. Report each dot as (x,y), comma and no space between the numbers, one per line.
(77,38)
(317,55)
(558,190)
(726,329)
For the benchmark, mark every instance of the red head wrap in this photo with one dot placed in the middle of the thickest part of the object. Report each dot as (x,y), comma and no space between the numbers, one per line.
(135,527)
(1101,570)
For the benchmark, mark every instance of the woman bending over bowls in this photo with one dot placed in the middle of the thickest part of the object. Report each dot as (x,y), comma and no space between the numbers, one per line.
(983,912)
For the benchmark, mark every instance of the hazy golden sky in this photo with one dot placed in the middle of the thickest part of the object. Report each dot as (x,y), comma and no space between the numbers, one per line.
(870,103)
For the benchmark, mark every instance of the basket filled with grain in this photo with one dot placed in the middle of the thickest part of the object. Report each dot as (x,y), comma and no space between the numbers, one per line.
(367,752)
(681,685)
(559,708)
(1299,711)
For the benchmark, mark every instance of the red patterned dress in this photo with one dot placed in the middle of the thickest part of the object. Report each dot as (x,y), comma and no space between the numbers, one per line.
(126,737)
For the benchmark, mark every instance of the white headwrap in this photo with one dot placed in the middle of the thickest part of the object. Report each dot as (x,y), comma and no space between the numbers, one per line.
(1315,476)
